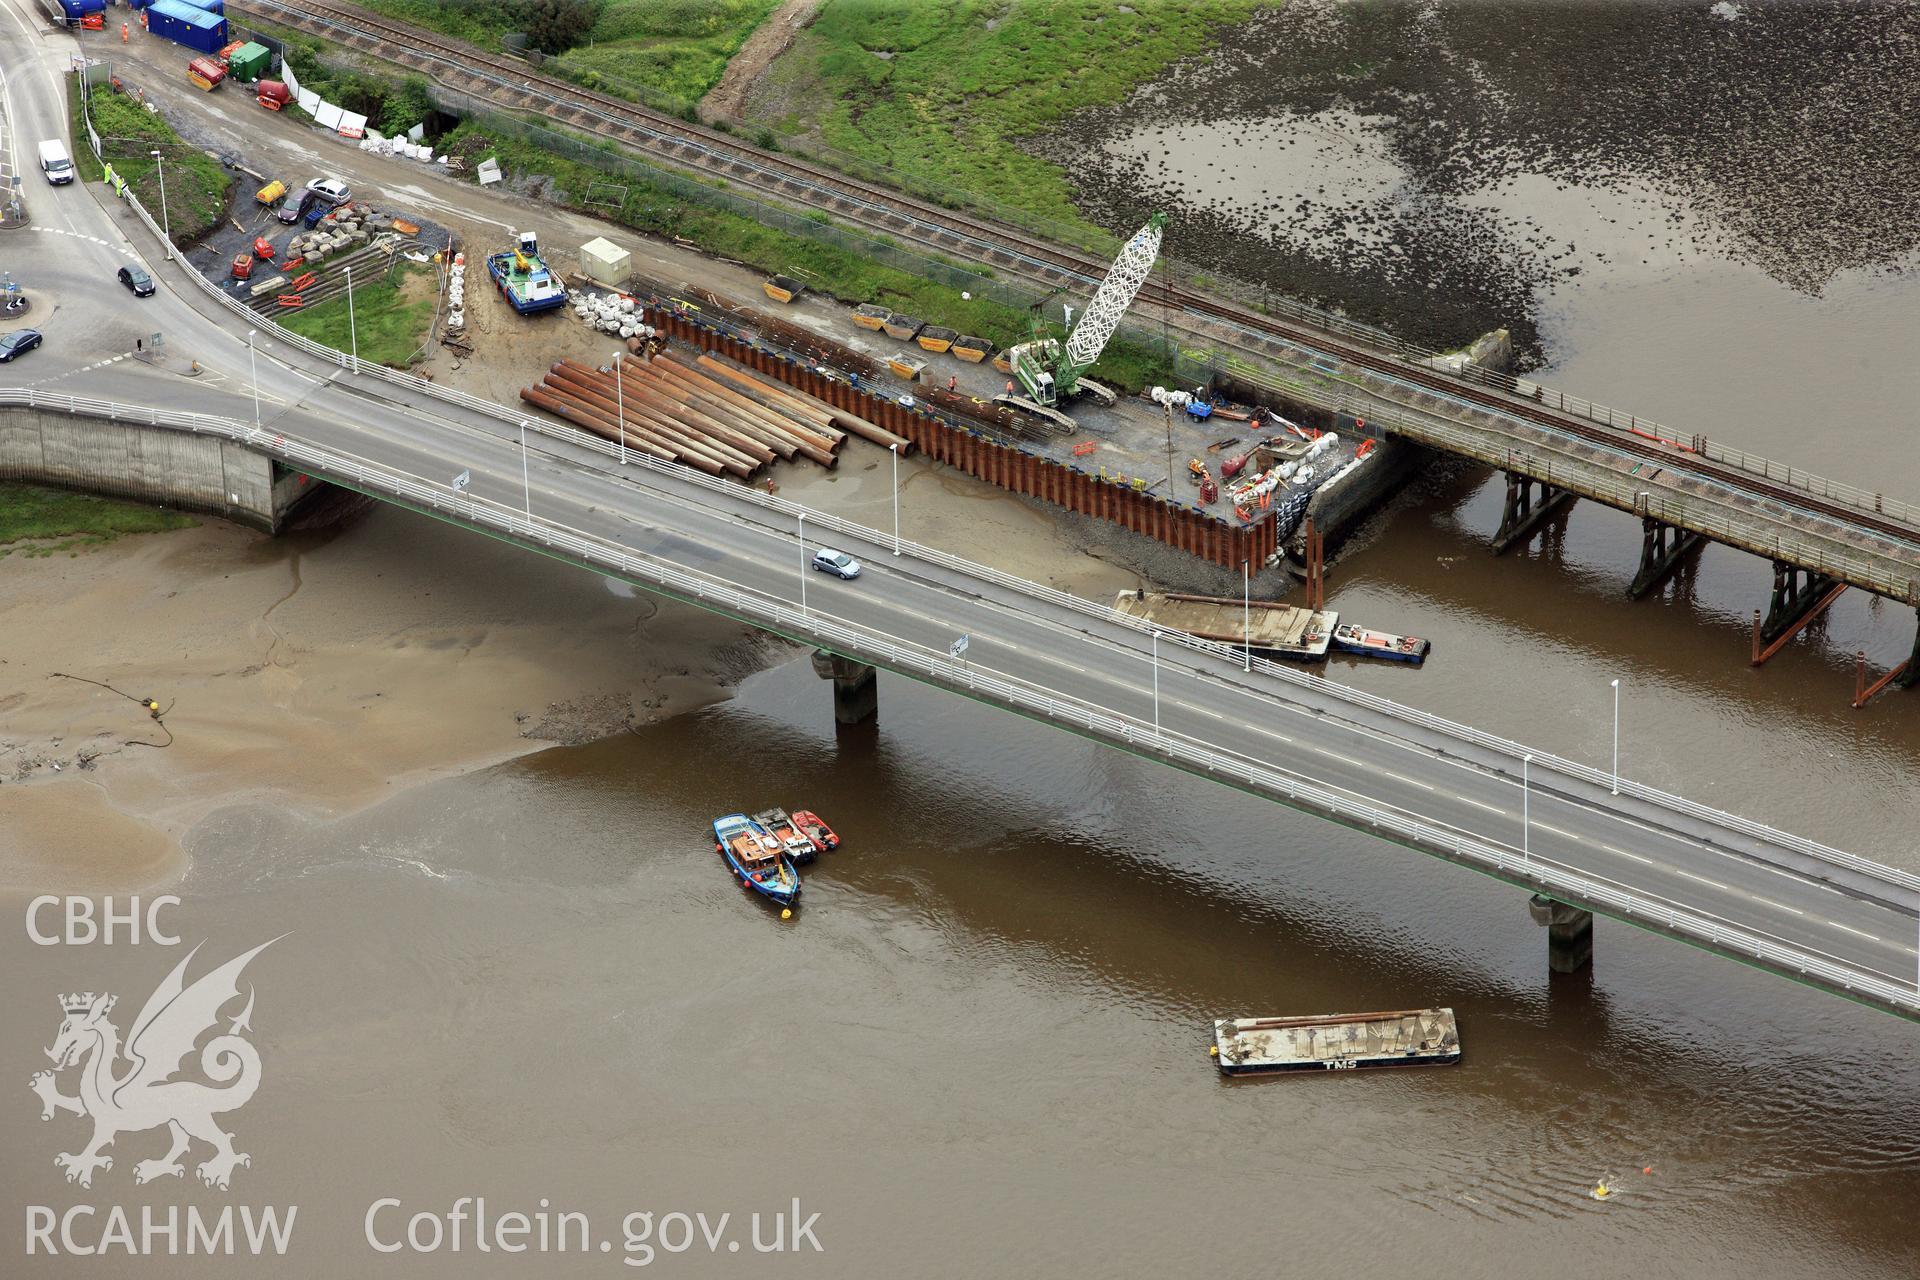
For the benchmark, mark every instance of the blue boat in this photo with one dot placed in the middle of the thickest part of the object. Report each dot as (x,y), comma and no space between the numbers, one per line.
(757,859)
(525,280)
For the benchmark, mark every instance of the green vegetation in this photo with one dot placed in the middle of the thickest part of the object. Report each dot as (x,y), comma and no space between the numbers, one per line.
(668,52)
(964,82)
(32,513)
(664,52)
(390,324)
(197,187)
(841,273)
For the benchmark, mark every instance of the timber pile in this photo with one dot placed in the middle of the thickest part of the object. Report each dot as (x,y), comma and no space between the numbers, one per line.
(676,412)
(766,391)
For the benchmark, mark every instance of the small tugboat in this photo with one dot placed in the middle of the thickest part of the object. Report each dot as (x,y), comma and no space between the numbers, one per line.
(1348,638)
(524,279)
(757,860)
(1336,1041)
(793,842)
(815,830)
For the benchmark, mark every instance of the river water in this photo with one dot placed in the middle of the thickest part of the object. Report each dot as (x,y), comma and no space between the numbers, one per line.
(980,1047)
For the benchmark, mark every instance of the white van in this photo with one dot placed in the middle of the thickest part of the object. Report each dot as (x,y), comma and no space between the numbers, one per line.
(55,163)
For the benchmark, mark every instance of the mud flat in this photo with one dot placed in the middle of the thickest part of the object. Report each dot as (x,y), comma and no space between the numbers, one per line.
(1440,168)
(316,675)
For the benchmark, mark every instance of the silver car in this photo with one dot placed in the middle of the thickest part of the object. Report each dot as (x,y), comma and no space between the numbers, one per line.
(837,563)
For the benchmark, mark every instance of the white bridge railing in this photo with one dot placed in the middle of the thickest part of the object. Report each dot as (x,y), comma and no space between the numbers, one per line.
(1545,875)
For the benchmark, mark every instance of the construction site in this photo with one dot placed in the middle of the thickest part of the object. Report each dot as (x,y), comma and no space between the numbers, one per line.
(661,350)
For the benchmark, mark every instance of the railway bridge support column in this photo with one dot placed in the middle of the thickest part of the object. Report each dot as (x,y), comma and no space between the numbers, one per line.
(1569,933)
(856,692)
(1524,512)
(1796,593)
(1663,548)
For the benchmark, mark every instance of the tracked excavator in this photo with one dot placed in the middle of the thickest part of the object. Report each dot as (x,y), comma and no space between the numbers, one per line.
(1051,372)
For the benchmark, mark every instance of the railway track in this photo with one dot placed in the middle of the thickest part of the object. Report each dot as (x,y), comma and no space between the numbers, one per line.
(678,143)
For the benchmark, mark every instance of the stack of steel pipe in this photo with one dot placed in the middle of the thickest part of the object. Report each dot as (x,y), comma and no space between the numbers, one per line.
(793,401)
(675,412)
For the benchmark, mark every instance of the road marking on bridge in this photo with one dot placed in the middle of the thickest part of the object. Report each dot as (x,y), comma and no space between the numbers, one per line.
(1481,804)
(1769,902)
(1702,879)
(1541,826)
(88,368)
(1623,853)
(1857,932)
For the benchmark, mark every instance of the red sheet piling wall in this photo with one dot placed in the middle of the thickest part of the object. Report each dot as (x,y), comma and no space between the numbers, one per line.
(1010,467)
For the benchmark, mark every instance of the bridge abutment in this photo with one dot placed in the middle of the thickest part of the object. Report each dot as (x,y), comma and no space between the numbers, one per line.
(1569,933)
(856,691)
(1524,511)
(1663,549)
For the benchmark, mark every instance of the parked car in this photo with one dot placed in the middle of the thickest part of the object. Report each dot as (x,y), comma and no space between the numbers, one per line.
(837,563)
(137,280)
(331,189)
(18,343)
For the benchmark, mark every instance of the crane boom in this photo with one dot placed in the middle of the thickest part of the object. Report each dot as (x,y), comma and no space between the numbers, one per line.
(1130,270)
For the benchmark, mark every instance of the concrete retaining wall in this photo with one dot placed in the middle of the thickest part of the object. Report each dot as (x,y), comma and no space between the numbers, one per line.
(162,465)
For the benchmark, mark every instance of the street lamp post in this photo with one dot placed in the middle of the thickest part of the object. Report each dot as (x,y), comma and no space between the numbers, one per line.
(894,449)
(166,226)
(803,564)
(1526,812)
(526,484)
(620,402)
(1616,737)
(353,329)
(1156,684)
(1246,614)
(253,365)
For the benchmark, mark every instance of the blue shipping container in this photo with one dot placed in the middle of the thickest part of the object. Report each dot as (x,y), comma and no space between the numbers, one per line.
(77,9)
(211,6)
(184,24)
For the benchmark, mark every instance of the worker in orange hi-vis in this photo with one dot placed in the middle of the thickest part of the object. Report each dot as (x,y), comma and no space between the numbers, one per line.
(123,33)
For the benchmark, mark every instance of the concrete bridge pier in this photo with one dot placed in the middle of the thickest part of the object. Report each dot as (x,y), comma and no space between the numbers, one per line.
(1663,549)
(856,693)
(1797,592)
(1910,669)
(1524,512)
(1569,933)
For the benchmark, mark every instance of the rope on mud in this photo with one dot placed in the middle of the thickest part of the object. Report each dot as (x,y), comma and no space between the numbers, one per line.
(152,706)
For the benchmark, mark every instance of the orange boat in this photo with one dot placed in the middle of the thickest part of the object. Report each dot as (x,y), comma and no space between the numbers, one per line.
(815,830)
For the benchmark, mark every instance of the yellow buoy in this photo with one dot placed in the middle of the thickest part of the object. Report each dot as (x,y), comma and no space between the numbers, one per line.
(1213,1051)
(1601,1191)
(786,913)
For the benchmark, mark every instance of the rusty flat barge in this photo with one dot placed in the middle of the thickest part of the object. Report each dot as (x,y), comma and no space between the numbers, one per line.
(1279,629)
(1336,1042)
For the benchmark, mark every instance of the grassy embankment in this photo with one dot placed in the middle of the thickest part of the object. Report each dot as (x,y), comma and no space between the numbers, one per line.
(389,324)
(664,52)
(40,516)
(965,82)
(197,187)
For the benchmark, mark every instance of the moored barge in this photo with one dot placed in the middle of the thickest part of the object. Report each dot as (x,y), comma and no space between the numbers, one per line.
(1336,1042)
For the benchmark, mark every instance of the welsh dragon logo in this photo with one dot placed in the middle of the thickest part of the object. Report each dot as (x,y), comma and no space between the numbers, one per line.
(145,1095)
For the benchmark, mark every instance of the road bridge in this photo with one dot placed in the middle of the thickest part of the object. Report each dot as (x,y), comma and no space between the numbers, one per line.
(1577,839)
